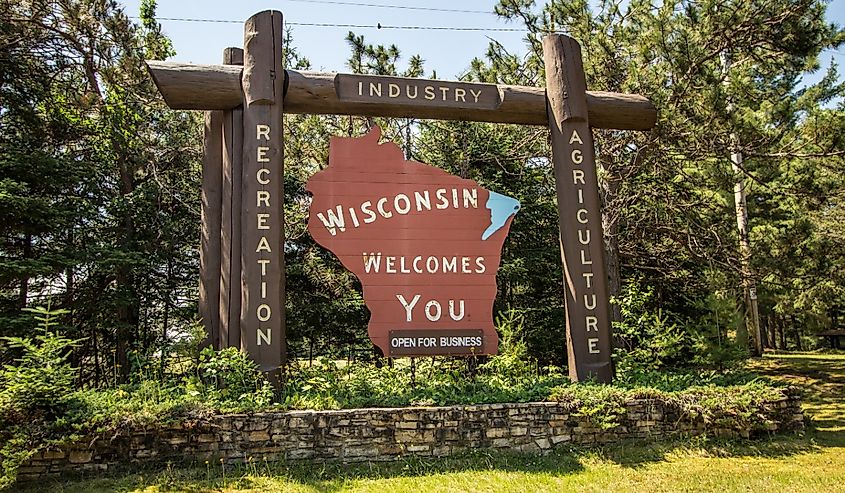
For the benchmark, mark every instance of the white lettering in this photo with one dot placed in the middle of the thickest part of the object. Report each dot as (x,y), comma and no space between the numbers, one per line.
(263,246)
(456,317)
(408,306)
(380,207)
(262,220)
(441,196)
(372,262)
(433,317)
(335,220)
(585,238)
(404,198)
(584,261)
(263,312)
(470,198)
(262,196)
(422,200)
(581,215)
(365,208)
(480,268)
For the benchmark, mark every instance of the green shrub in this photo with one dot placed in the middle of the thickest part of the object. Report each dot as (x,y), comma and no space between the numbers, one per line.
(651,338)
(602,405)
(40,380)
(35,389)
(229,380)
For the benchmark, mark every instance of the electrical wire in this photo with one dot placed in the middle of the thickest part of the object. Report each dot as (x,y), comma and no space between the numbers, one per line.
(352,26)
(386,6)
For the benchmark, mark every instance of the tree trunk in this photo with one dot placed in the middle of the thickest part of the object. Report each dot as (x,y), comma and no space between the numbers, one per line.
(764,329)
(128,307)
(27,254)
(773,331)
(796,331)
(166,322)
(96,352)
(609,181)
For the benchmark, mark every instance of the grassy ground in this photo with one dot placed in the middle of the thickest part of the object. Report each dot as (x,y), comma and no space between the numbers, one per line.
(814,462)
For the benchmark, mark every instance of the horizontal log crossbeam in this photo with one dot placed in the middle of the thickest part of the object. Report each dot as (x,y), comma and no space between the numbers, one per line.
(218,87)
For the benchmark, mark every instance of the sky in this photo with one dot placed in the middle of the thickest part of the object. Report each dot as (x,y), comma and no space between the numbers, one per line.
(449,52)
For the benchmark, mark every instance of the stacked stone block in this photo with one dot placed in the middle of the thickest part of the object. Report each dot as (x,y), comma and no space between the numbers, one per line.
(380,434)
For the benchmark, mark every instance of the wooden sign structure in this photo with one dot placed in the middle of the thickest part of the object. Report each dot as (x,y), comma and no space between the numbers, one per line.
(246,290)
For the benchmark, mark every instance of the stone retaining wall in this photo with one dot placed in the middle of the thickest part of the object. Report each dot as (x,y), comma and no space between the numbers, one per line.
(385,434)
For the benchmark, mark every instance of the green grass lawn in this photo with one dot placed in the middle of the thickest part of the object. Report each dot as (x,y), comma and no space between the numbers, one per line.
(813,463)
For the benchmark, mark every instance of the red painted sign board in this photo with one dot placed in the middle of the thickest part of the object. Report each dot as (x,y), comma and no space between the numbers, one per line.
(425,245)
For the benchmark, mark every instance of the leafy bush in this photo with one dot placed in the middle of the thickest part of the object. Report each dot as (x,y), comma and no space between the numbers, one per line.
(40,381)
(229,380)
(731,406)
(507,377)
(650,337)
(680,379)
(602,405)
(35,389)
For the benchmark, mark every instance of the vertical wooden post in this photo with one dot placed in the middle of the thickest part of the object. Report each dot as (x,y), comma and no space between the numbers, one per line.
(230,244)
(210,216)
(581,238)
(262,220)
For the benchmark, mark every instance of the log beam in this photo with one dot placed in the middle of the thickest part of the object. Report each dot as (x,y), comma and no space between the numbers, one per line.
(218,87)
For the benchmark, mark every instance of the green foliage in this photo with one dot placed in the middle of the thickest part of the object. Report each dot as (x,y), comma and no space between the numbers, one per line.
(602,405)
(228,379)
(423,382)
(36,389)
(732,406)
(40,380)
(506,377)
(719,406)
(679,379)
(651,338)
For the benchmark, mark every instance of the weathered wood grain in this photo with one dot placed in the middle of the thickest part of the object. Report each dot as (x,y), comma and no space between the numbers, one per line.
(210,218)
(218,87)
(230,225)
(579,212)
(262,220)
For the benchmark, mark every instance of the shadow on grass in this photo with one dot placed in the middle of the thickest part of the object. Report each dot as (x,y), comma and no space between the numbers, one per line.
(823,380)
(332,477)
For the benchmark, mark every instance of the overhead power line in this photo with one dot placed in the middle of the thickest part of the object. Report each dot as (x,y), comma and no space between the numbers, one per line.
(353,26)
(385,6)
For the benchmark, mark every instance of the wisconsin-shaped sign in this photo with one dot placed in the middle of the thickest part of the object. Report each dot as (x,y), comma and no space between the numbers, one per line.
(425,245)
